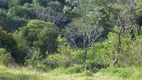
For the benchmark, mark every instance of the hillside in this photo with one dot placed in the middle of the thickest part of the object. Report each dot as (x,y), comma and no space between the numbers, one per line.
(73,39)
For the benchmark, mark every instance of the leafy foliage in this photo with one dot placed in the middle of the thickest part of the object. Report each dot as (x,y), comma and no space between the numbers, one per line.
(4,56)
(40,34)
(8,42)
(72,36)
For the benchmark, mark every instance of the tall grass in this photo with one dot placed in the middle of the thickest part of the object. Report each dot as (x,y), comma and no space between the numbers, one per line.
(132,73)
(30,73)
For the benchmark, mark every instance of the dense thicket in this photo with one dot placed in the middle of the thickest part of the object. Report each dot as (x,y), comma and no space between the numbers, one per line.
(81,34)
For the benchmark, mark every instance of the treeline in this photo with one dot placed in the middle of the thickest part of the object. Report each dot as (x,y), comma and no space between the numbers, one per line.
(72,34)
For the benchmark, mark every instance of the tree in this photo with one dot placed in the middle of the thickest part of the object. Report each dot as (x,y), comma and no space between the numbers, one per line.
(90,24)
(8,42)
(96,13)
(139,15)
(3,16)
(83,36)
(16,17)
(124,21)
(4,4)
(22,2)
(40,34)
(12,3)
(55,6)
(50,15)
(44,2)
(13,22)
(25,11)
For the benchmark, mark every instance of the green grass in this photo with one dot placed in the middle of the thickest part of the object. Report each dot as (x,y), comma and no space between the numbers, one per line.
(125,73)
(30,73)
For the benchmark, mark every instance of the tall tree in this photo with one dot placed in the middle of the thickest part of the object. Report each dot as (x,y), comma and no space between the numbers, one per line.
(50,15)
(40,34)
(125,20)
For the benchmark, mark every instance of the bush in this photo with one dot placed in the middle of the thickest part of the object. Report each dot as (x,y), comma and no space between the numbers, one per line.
(8,42)
(64,48)
(4,56)
(75,69)
(134,54)
(57,60)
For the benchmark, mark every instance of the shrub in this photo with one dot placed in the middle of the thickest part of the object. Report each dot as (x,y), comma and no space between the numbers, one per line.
(57,60)
(4,56)
(75,69)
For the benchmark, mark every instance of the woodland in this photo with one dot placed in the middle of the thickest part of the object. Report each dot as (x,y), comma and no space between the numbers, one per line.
(70,40)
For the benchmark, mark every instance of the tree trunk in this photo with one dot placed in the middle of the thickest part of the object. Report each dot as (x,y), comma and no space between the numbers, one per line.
(118,48)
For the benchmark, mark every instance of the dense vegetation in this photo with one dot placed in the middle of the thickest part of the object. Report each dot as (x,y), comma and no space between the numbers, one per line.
(72,36)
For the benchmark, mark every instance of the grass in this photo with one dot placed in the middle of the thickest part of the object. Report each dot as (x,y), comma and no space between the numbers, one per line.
(125,73)
(34,74)
(29,73)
